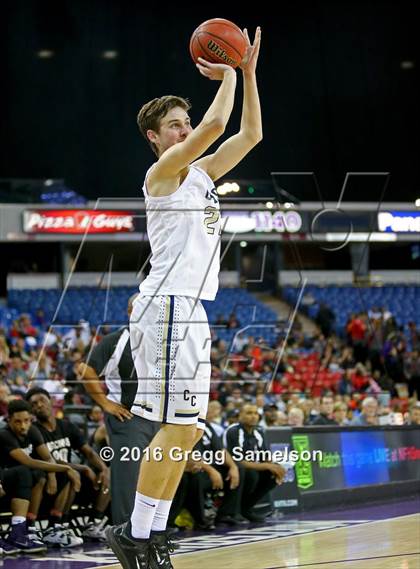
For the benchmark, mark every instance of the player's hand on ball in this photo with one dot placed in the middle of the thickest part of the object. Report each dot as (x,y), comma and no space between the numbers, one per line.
(213,71)
(249,62)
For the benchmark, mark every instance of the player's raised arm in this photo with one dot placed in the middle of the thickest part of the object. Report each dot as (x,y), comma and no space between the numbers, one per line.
(233,150)
(178,156)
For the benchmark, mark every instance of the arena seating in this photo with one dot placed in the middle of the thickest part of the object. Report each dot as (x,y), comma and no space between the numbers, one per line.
(402,301)
(99,306)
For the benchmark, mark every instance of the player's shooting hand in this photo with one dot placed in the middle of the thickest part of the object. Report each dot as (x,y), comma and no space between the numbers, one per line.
(213,71)
(249,62)
(117,410)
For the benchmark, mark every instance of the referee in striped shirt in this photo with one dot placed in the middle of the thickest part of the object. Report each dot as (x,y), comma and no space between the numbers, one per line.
(128,434)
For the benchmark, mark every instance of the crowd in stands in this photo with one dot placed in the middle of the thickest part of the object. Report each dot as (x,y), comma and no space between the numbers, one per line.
(375,358)
(369,376)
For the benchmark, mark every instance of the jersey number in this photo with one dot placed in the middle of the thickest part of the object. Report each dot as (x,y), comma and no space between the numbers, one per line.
(212,217)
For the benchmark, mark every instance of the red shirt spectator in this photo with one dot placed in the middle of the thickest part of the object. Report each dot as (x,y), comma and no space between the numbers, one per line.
(357,329)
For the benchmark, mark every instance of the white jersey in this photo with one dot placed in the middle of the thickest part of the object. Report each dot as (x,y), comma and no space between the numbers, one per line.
(184,231)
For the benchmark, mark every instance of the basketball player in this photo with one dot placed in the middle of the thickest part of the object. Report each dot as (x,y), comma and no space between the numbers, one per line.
(169,332)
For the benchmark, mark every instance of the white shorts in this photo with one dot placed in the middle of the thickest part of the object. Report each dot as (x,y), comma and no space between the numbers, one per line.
(170,343)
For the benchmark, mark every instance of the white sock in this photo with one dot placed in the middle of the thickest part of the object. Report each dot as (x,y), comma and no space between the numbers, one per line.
(161,516)
(142,516)
(18,520)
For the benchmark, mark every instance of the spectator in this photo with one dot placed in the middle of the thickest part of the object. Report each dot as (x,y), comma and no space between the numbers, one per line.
(232,417)
(39,369)
(214,417)
(345,385)
(414,336)
(233,321)
(4,351)
(270,417)
(360,378)
(369,413)
(17,372)
(414,415)
(340,414)
(357,331)
(325,319)
(412,373)
(295,417)
(281,419)
(95,419)
(325,416)
(4,399)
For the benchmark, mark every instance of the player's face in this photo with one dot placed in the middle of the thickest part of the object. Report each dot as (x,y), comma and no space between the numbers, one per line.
(41,406)
(20,423)
(175,126)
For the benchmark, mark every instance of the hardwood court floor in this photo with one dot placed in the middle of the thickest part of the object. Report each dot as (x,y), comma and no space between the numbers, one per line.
(385,544)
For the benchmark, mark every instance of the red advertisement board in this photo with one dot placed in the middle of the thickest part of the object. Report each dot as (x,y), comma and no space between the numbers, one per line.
(72,221)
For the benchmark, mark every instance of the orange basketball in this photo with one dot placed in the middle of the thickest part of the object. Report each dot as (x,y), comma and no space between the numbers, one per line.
(218,41)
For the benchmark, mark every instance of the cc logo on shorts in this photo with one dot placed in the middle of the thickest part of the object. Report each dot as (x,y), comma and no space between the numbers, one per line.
(188,397)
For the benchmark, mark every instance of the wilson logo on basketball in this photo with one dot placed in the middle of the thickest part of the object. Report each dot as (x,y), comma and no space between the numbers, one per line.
(77,221)
(220,52)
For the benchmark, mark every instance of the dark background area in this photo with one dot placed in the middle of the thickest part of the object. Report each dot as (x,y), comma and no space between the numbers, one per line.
(334,95)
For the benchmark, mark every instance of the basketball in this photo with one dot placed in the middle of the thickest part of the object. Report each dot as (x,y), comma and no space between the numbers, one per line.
(218,41)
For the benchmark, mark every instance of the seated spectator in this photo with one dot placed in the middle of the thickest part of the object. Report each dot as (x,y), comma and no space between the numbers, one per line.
(340,414)
(345,385)
(368,415)
(414,414)
(25,327)
(4,399)
(39,369)
(17,378)
(240,342)
(295,417)
(232,417)
(4,351)
(233,321)
(360,378)
(270,417)
(95,419)
(214,417)
(412,372)
(325,416)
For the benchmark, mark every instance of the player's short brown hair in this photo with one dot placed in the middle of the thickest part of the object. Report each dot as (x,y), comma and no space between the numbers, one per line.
(151,114)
